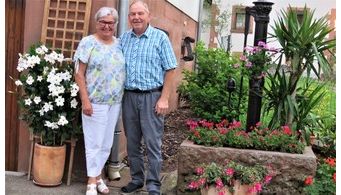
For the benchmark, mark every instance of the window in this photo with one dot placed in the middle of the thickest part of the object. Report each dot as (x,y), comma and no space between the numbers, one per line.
(238,20)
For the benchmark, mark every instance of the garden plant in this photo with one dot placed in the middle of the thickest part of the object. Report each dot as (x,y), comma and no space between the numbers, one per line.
(49,95)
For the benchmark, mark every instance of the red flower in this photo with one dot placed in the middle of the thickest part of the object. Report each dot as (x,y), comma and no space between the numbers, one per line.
(286,130)
(309,180)
(334,177)
(330,161)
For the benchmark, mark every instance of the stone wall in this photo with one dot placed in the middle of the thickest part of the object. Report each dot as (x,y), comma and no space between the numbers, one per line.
(290,170)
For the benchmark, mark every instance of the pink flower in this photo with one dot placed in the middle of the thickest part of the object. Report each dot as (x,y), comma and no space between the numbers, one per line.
(229,171)
(219,184)
(202,181)
(192,124)
(236,65)
(199,170)
(334,177)
(193,185)
(258,187)
(222,131)
(267,179)
(243,58)
(248,65)
(221,193)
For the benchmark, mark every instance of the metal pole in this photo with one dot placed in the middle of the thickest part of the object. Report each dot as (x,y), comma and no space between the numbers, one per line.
(260,12)
(114,165)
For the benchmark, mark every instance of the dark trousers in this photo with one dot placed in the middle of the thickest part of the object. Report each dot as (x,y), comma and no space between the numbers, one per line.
(140,120)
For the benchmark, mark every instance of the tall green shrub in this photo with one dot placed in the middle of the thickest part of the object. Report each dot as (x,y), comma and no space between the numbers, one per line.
(206,87)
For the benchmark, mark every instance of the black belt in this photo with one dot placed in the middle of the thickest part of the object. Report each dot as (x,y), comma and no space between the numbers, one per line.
(158,89)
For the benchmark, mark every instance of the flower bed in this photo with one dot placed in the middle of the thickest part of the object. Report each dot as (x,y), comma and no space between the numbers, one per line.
(289,170)
(233,135)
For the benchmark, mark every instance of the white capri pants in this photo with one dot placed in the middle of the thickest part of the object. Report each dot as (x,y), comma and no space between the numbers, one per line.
(98,130)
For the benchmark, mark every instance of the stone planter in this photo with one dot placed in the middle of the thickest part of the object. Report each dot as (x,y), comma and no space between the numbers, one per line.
(211,190)
(289,169)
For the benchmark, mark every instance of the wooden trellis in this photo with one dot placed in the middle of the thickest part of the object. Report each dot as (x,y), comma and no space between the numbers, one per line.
(65,22)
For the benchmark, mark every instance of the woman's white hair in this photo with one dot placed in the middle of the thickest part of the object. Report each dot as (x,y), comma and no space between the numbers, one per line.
(107,11)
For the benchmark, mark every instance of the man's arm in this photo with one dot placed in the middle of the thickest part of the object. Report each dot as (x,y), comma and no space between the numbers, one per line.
(162,105)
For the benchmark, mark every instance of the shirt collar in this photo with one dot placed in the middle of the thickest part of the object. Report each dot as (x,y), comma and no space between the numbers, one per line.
(146,33)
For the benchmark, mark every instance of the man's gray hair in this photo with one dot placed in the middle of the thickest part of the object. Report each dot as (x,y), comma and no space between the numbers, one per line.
(107,11)
(142,2)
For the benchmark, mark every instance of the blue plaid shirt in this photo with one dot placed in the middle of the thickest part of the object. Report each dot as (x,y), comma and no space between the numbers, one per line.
(147,58)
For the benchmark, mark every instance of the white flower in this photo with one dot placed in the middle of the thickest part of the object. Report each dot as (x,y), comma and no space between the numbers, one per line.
(39,78)
(28,102)
(60,57)
(62,121)
(41,112)
(44,48)
(74,103)
(59,101)
(47,107)
(74,90)
(51,125)
(32,61)
(18,83)
(37,99)
(66,76)
(29,80)
(40,51)
(54,78)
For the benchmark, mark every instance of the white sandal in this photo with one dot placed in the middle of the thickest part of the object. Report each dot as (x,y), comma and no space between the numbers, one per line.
(101,187)
(91,189)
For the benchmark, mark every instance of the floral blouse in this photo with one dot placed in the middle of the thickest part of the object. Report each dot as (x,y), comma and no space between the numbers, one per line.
(105,73)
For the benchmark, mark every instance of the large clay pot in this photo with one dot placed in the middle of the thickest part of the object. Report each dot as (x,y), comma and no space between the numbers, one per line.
(211,190)
(48,164)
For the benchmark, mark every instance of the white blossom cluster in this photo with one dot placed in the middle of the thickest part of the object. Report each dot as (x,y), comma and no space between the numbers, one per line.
(58,81)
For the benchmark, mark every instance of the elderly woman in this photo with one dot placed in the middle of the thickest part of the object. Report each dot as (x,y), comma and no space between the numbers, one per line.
(100,75)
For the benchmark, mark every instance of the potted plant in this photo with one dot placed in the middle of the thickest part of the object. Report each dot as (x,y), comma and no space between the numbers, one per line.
(303,46)
(49,105)
(230,178)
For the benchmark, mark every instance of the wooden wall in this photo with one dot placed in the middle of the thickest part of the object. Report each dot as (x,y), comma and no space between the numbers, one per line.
(14,28)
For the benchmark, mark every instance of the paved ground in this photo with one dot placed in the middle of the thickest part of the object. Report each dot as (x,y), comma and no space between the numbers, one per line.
(17,184)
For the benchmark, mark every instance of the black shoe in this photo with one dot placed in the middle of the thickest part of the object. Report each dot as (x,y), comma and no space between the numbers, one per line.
(131,187)
(154,193)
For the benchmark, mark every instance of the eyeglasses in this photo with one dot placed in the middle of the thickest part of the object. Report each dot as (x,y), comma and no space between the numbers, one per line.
(102,24)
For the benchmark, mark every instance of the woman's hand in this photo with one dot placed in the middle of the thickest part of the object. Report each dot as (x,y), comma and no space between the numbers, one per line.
(87,108)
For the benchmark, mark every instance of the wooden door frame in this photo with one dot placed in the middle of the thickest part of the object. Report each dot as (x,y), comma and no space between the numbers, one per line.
(14,39)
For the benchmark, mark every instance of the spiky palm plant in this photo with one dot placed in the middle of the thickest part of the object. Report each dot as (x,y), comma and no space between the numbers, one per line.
(303,45)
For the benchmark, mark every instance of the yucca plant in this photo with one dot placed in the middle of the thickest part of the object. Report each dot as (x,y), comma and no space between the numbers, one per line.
(303,45)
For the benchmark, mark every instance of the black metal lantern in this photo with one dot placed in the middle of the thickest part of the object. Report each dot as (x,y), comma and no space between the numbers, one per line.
(231,85)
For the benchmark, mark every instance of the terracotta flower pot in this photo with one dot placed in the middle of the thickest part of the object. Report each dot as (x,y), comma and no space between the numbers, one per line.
(48,164)
(211,190)
(240,189)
